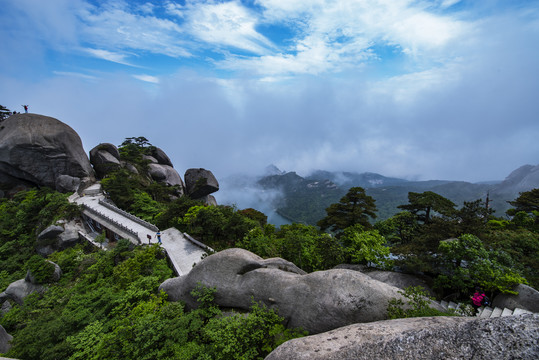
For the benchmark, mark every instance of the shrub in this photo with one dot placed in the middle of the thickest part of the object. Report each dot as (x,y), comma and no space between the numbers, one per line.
(41,269)
(416,305)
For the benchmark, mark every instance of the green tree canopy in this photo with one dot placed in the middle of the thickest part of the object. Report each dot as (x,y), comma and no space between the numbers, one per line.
(466,263)
(365,246)
(527,201)
(355,207)
(424,204)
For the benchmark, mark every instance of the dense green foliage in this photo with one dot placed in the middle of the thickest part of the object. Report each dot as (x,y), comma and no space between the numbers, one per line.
(217,226)
(41,269)
(482,250)
(106,306)
(23,218)
(304,245)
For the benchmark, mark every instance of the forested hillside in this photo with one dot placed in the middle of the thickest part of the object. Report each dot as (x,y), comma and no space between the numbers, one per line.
(304,199)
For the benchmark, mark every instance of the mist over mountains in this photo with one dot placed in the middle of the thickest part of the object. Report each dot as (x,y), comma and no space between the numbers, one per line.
(288,197)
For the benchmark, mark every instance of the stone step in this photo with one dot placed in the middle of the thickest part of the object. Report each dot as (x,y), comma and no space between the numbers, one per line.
(519,311)
(507,312)
(452,305)
(497,312)
(485,314)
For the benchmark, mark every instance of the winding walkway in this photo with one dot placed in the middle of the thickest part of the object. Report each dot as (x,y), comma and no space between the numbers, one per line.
(182,251)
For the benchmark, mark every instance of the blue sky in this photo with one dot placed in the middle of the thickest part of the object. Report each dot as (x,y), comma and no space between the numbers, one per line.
(441,89)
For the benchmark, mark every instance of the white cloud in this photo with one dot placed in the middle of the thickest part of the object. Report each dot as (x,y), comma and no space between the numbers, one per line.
(448,3)
(109,56)
(336,36)
(116,26)
(226,24)
(76,75)
(146,8)
(147,78)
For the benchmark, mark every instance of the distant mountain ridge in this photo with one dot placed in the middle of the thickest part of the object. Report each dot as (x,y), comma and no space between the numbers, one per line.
(304,199)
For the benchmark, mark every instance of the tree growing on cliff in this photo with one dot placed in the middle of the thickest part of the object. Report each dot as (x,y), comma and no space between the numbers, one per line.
(4,112)
(356,207)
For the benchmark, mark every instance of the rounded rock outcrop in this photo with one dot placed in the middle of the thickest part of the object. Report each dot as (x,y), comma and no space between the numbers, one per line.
(35,150)
(316,302)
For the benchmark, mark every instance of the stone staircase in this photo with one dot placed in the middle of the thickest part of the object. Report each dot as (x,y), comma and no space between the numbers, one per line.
(484,312)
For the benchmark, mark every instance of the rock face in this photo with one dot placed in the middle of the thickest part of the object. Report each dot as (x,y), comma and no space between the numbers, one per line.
(527,298)
(316,302)
(36,150)
(161,157)
(199,183)
(5,338)
(166,174)
(105,157)
(399,280)
(512,337)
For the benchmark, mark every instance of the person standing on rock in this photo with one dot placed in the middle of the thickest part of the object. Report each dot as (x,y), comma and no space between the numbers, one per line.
(149,238)
(158,237)
(25,108)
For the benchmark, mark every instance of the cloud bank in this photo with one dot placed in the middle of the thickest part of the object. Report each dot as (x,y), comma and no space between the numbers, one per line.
(426,89)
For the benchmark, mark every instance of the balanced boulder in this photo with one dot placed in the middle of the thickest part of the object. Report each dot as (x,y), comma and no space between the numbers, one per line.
(200,182)
(35,150)
(316,302)
(105,158)
(511,337)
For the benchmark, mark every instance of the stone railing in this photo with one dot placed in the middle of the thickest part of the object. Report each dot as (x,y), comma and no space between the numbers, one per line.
(116,223)
(196,242)
(128,215)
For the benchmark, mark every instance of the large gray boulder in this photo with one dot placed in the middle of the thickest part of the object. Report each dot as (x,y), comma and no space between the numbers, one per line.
(66,183)
(5,339)
(47,240)
(399,280)
(199,183)
(105,158)
(35,150)
(70,236)
(20,289)
(161,157)
(512,337)
(527,298)
(167,175)
(316,302)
